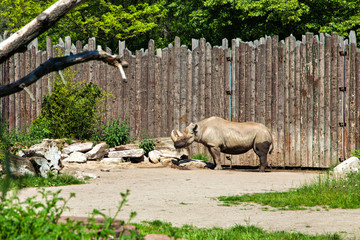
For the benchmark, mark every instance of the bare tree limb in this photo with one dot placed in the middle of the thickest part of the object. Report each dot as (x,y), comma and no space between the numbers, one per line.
(45,20)
(59,63)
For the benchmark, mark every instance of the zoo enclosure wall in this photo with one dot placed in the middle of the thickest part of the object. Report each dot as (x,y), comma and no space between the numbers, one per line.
(291,86)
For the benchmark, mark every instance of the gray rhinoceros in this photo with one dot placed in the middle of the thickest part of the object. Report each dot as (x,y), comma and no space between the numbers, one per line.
(220,135)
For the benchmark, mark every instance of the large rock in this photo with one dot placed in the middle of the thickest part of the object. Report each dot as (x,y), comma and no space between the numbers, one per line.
(98,152)
(76,157)
(53,156)
(20,166)
(134,153)
(167,150)
(111,160)
(154,156)
(41,166)
(350,165)
(193,163)
(78,147)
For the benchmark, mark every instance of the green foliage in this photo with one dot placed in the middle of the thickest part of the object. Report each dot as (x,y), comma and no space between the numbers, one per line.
(201,156)
(326,191)
(70,111)
(147,143)
(114,134)
(356,153)
(32,219)
(37,181)
(236,232)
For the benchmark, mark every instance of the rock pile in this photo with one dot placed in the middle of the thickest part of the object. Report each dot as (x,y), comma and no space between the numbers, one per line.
(52,155)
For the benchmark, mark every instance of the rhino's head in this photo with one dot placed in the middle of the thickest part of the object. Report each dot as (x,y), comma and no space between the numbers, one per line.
(182,140)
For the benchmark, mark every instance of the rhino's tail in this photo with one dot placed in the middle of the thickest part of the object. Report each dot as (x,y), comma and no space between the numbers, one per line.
(271,148)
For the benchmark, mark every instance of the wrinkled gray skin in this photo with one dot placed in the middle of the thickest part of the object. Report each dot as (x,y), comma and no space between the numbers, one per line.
(220,135)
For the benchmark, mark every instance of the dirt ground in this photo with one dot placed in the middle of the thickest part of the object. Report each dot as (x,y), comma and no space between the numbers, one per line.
(187,197)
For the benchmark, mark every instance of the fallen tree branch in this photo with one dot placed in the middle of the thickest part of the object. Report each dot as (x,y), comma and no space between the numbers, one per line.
(59,63)
(45,20)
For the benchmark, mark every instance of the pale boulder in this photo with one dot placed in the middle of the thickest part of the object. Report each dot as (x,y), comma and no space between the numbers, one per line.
(77,147)
(350,165)
(76,157)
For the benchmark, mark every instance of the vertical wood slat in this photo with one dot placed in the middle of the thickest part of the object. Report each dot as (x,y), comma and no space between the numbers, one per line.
(281,105)
(183,88)
(151,89)
(333,100)
(18,94)
(321,99)
(144,81)
(11,97)
(164,89)
(287,102)
(327,100)
(158,93)
(316,88)
(297,105)
(339,97)
(274,158)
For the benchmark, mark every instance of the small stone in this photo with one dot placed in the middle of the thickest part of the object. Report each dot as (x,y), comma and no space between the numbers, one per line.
(111,160)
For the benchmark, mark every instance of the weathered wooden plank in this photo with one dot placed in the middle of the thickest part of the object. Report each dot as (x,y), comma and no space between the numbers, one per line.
(50,54)
(27,97)
(195,86)
(292,104)
(241,81)
(261,82)
(130,90)
(327,102)
(352,100)
(151,89)
(171,100)
(164,89)
(303,109)
(183,84)
(227,99)
(268,78)
(322,116)
(357,99)
(11,77)
(297,106)
(281,104)
(157,95)
(202,71)
(339,96)
(138,82)
(144,94)
(39,86)
(18,94)
(333,99)
(234,75)
(310,96)
(316,93)
(208,80)
(287,100)
(22,93)
(274,159)
(216,82)
(108,84)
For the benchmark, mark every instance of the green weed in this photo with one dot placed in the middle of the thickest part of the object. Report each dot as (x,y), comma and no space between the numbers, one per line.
(114,134)
(201,156)
(326,191)
(38,181)
(236,232)
(146,143)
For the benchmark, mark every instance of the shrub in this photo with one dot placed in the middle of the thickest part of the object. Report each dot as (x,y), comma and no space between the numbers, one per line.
(71,110)
(114,134)
(147,143)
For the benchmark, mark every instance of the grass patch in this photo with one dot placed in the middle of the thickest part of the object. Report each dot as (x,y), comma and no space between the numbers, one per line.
(236,232)
(326,191)
(37,181)
(201,156)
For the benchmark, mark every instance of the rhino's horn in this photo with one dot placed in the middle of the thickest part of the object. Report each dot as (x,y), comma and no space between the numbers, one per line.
(179,133)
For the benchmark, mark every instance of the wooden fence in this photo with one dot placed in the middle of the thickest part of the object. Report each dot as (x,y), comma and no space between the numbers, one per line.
(290,86)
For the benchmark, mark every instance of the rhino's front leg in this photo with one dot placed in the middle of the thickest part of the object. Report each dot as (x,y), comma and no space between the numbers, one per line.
(215,154)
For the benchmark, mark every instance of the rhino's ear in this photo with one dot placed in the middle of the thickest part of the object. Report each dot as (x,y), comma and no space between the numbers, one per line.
(193,128)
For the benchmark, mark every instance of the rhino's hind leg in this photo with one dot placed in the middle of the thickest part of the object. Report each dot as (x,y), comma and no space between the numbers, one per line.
(262,149)
(215,154)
